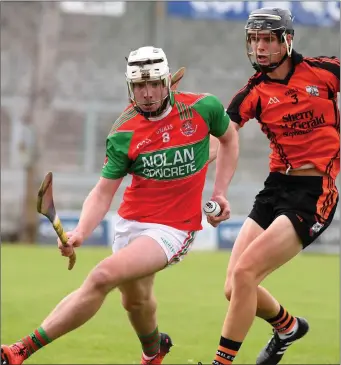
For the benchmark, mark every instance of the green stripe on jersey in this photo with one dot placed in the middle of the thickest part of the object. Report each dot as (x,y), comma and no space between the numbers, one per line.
(124,117)
(172,163)
(214,114)
(185,112)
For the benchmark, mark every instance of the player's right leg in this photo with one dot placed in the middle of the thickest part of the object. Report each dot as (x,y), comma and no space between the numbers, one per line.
(140,303)
(128,264)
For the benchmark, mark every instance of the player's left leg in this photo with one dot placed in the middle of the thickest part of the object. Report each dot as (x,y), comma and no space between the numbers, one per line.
(140,303)
(311,205)
(273,248)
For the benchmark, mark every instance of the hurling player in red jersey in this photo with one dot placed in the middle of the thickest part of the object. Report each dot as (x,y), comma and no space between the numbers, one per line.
(162,140)
(294,99)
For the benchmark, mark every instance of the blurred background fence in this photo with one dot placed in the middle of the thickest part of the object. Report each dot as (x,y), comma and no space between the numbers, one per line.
(63,85)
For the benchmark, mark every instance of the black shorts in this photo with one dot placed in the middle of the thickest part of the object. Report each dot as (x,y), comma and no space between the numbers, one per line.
(308,201)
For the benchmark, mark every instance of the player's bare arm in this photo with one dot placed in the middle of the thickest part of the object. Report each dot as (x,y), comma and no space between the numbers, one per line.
(235,125)
(214,144)
(95,207)
(227,159)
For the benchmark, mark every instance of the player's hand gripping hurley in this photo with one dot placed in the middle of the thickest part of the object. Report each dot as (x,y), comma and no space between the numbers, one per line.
(45,206)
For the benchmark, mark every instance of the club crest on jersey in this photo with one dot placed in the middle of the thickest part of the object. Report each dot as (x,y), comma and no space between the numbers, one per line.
(312,90)
(187,128)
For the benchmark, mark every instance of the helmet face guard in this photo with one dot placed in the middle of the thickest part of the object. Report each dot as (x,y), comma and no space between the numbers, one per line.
(148,69)
(158,83)
(275,22)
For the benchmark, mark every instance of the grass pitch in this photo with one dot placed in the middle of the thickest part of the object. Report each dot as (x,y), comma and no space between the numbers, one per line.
(191,308)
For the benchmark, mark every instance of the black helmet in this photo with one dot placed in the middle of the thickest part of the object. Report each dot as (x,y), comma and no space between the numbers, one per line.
(273,19)
(277,21)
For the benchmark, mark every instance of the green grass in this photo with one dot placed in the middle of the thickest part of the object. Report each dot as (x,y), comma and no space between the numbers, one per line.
(191,308)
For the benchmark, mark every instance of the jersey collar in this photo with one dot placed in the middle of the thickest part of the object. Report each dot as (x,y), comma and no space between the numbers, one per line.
(296,59)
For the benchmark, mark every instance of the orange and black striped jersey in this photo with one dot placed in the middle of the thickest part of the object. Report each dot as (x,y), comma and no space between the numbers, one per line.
(299,114)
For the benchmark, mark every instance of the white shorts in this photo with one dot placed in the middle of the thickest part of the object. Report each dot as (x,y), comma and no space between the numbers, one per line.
(174,242)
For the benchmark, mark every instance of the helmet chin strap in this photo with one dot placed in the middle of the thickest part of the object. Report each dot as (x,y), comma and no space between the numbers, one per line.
(157,112)
(271,67)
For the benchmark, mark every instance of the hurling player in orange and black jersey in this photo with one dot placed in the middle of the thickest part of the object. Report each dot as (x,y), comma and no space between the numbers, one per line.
(293,99)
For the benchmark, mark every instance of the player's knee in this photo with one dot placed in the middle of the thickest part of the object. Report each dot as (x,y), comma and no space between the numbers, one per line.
(243,276)
(101,279)
(137,304)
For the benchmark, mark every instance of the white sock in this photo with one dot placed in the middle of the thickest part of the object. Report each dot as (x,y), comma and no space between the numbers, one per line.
(284,336)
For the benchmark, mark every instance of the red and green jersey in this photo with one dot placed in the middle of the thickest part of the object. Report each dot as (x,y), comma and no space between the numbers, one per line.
(167,159)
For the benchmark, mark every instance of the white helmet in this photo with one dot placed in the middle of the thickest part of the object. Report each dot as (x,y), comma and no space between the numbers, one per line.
(148,64)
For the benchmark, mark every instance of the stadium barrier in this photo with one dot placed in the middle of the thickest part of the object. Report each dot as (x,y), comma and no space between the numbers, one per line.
(103,235)
(210,239)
